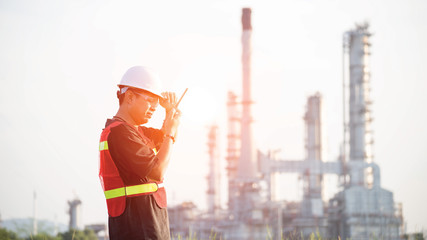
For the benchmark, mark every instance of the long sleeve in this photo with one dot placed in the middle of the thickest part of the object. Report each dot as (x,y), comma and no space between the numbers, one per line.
(134,159)
(156,135)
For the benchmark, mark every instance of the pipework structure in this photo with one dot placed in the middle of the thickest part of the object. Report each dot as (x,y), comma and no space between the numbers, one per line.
(311,215)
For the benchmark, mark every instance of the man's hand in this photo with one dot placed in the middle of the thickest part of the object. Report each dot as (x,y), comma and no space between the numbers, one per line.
(168,101)
(171,123)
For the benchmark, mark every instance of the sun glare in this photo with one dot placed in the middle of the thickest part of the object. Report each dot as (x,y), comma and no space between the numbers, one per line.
(198,106)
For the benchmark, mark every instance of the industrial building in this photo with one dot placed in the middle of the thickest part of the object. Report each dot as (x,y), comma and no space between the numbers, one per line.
(75,213)
(362,209)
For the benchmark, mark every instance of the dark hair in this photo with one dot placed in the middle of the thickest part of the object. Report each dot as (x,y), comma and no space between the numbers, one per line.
(121,97)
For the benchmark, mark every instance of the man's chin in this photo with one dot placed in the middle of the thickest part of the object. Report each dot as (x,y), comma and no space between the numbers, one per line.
(143,121)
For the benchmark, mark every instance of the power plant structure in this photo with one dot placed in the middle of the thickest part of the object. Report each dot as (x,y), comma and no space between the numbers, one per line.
(75,213)
(361,209)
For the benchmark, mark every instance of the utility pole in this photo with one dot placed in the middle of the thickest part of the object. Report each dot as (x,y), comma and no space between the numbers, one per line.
(34,214)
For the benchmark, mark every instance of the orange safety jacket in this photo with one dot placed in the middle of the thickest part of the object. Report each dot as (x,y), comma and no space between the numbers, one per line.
(114,188)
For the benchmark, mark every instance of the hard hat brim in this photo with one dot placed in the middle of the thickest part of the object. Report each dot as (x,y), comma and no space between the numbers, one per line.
(139,89)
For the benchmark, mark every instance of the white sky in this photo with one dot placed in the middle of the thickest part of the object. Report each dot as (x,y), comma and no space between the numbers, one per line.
(61,60)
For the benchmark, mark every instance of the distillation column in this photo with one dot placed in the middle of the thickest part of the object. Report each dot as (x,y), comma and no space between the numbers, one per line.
(313,177)
(312,217)
(233,147)
(363,210)
(361,139)
(213,192)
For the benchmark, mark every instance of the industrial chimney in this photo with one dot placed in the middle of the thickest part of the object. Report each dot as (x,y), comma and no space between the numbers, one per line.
(247,196)
(247,167)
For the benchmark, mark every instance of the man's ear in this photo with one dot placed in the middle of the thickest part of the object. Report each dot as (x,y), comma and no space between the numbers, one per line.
(129,97)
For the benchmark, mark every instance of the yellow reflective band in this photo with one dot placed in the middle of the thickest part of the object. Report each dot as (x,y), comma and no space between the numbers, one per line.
(132,190)
(113,193)
(155,151)
(143,188)
(103,146)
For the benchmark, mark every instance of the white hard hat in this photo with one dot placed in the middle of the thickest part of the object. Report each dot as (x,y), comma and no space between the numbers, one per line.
(141,78)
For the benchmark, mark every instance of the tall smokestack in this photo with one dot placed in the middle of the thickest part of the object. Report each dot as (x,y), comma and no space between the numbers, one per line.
(246,170)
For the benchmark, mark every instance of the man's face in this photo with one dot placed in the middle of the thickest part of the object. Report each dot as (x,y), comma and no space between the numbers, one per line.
(143,107)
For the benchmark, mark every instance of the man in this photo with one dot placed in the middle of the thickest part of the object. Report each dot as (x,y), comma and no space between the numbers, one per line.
(133,158)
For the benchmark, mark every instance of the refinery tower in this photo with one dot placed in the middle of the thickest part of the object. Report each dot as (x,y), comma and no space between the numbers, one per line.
(363,210)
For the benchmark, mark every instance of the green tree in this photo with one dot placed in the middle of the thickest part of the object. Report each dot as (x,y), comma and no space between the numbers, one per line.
(86,234)
(8,235)
(419,236)
(43,236)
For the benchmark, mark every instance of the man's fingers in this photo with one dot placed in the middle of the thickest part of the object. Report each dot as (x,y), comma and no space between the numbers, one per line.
(170,98)
(174,98)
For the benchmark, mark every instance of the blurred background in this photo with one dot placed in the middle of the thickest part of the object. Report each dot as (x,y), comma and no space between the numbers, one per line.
(61,62)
